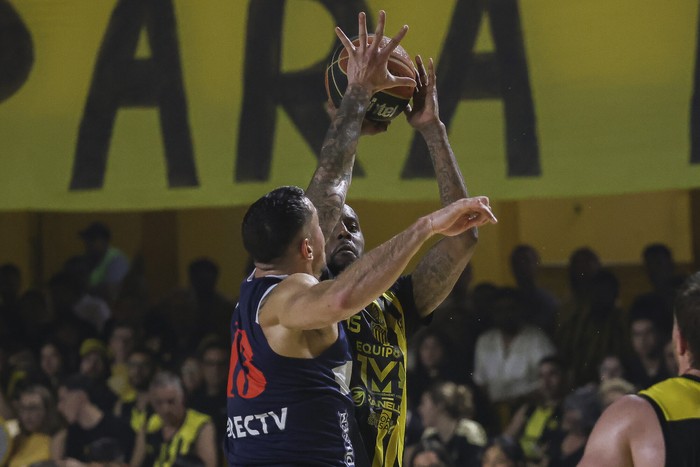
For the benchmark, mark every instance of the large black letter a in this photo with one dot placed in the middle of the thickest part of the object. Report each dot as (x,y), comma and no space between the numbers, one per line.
(121,80)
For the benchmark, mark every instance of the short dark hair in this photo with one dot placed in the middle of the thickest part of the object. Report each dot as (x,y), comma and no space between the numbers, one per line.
(553,360)
(687,313)
(200,265)
(456,399)
(657,249)
(273,221)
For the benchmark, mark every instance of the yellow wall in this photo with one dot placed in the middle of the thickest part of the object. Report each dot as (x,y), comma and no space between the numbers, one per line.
(617,227)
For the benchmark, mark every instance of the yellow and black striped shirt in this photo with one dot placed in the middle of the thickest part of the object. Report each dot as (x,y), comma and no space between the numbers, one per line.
(378,343)
(676,402)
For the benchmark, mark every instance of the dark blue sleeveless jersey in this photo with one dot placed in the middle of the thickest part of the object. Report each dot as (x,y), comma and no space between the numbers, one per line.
(285,411)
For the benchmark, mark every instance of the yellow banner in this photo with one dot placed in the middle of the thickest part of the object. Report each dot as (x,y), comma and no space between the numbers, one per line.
(151,104)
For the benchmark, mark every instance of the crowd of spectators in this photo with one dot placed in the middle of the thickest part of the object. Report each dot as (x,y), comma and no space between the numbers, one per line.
(93,372)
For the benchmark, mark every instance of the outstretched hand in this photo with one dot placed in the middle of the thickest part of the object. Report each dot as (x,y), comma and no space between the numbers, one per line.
(367,63)
(425,111)
(461,216)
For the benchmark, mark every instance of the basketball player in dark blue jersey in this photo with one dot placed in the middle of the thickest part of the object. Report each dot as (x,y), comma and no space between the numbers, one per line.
(288,397)
(661,425)
(378,334)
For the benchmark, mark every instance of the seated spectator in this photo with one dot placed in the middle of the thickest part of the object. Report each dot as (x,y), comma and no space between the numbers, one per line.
(646,366)
(210,398)
(610,368)
(581,411)
(185,433)
(430,454)
(503,452)
(613,389)
(53,363)
(446,410)
(135,408)
(121,342)
(38,421)
(508,357)
(540,305)
(535,424)
(597,331)
(434,362)
(87,423)
(94,363)
(191,374)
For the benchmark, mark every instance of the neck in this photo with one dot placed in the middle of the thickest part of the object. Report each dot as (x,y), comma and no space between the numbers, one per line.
(445,428)
(89,417)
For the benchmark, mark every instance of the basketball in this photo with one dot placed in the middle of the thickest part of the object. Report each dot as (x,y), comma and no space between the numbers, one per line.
(385,105)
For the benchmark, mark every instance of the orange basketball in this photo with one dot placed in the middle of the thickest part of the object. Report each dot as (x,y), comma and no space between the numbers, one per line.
(384,105)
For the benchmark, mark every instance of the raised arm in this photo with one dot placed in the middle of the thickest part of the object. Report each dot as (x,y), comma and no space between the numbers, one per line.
(301,302)
(438,271)
(367,74)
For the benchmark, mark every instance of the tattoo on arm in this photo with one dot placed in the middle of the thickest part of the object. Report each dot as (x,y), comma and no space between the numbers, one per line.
(330,182)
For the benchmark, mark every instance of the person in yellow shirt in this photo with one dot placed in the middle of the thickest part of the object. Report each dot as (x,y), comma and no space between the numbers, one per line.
(38,421)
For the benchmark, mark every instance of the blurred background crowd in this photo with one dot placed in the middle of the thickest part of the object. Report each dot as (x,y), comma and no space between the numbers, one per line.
(502,375)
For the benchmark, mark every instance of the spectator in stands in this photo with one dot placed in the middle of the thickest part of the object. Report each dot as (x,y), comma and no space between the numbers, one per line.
(94,363)
(646,366)
(540,305)
(53,361)
(583,265)
(184,432)
(107,265)
(434,362)
(121,342)
(598,331)
(610,368)
(213,309)
(38,421)
(210,398)
(446,411)
(508,356)
(581,411)
(535,424)
(134,407)
(670,358)
(613,389)
(87,423)
(429,454)
(11,326)
(503,452)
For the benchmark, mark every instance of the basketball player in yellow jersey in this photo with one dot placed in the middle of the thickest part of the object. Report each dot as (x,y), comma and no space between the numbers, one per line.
(661,425)
(378,333)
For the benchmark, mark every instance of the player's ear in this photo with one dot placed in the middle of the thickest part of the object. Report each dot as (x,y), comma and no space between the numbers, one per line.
(307,251)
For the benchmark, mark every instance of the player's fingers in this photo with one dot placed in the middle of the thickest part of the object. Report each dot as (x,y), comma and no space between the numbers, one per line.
(362,28)
(402,81)
(344,40)
(394,41)
(422,75)
(379,31)
(431,72)
(408,109)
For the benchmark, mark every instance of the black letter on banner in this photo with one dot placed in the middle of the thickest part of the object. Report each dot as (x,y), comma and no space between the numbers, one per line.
(121,80)
(301,94)
(695,107)
(16,51)
(503,74)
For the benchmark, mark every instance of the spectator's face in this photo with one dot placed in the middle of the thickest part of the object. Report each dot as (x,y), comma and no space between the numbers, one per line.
(427,459)
(645,339)
(31,412)
(92,365)
(431,352)
(140,371)
(215,368)
(121,343)
(346,242)
(51,360)
(550,380)
(191,374)
(428,410)
(95,248)
(571,421)
(495,457)
(610,368)
(70,403)
(169,404)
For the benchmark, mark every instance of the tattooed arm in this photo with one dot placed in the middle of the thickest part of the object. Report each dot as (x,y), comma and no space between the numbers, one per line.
(438,271)
(367,73)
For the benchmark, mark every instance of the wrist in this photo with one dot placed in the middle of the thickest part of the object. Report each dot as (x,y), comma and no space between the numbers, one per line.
(432,129)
